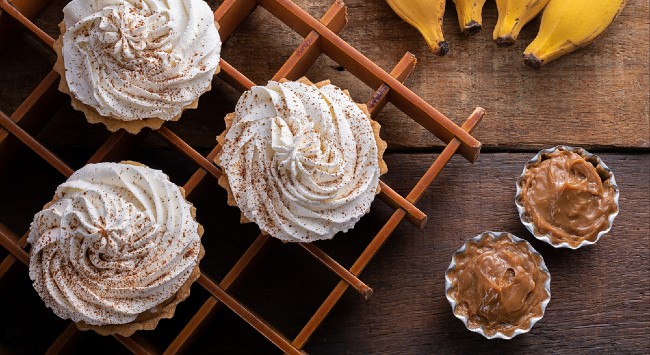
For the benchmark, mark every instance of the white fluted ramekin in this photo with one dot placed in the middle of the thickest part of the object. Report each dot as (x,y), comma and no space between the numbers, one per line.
(464,319)
(546,237)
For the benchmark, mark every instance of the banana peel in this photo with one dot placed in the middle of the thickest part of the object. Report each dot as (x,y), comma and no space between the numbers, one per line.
(513,16)
(568,25)
(426,17)
(470,16)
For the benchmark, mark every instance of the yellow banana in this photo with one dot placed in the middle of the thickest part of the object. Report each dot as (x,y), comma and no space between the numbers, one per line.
(567,25)
(426,16)
(470,17)
(513,15)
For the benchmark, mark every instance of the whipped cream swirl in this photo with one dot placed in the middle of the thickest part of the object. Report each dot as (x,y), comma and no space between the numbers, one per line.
(118,240)
(301,160)
(136,59)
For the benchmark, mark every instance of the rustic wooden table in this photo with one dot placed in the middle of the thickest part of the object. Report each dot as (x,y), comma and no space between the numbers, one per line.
(597,98)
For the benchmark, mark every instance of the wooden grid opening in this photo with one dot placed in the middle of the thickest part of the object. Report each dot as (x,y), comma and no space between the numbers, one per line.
(319,37)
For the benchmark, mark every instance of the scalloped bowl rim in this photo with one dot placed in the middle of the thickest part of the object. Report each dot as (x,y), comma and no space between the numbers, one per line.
(480,330)
(547,237)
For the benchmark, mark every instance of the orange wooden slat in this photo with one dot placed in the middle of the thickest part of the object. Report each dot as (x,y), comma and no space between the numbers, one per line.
(310,48)
(29,25)
(34,145)
(395,200)
(186,149)
(8,26)
(231,13)
(9,241)
(388,228)
(249,316)
(233,77)
(209,306)
(136,346)
(39,106)
(401,72)
(199,174)
(64,340)
(342,272)
(318,37)
(370,73)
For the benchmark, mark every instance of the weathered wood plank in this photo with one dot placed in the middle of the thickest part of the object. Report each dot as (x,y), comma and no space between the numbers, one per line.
(596,97)
(601,294)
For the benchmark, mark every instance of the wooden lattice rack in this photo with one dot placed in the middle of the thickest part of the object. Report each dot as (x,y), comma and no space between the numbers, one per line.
(319,37)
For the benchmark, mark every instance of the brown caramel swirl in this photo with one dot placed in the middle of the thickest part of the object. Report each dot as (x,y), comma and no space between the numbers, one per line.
(566,198)
(498,285)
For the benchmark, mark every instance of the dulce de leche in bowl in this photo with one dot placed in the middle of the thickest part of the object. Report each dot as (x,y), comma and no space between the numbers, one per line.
(498,285)
(567,197)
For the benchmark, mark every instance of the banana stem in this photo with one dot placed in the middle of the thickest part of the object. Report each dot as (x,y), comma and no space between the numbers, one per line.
(506,32)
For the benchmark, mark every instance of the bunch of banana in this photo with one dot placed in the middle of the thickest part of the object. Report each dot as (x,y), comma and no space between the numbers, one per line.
(568,25)
(470,17)
(426,16)
(513,15)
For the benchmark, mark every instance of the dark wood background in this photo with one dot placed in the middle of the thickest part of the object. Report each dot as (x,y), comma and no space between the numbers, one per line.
(597,97)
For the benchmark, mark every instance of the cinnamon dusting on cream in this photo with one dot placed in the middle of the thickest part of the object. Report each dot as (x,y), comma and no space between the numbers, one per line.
(117,241)
(301,160)
(137,59)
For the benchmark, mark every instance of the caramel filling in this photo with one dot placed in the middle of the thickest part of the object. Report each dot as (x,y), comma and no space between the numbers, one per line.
(568,198)
(498,285)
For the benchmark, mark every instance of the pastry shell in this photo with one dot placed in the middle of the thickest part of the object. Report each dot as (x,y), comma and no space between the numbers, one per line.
(112,123)
(149,319)
(376,127)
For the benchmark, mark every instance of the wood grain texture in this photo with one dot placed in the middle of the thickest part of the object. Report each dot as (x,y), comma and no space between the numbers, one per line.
(597,97)
(600,294)
(600,91)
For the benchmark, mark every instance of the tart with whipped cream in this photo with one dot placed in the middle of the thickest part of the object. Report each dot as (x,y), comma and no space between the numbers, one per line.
(301,160)
(116,249)
(133,64)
